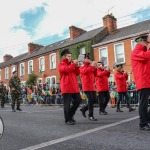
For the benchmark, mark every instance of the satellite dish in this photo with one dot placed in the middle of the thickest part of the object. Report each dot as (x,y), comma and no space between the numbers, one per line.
(1,127)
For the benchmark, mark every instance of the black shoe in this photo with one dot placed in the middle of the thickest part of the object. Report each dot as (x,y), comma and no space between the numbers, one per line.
(83,112)
(92,119)
(119,110)
(19,109)
(2,106)
(73,120)
(13,110)
(146,128)
(131,109)
(70,123)
(103,113)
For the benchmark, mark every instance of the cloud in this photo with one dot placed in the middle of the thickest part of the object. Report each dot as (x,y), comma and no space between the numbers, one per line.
(145,15)
(30,20)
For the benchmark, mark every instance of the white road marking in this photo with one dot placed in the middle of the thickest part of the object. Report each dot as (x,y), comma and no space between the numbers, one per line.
(38,146)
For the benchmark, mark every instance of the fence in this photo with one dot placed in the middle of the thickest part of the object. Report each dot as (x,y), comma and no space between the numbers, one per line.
(57,100)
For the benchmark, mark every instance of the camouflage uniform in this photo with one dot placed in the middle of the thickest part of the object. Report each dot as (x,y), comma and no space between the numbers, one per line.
(2,94)
(14,83)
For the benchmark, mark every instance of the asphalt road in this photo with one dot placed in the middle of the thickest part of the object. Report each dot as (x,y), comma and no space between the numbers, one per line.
(43,128)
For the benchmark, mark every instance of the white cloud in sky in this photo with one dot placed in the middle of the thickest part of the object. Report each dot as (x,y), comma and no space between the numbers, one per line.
(59,16)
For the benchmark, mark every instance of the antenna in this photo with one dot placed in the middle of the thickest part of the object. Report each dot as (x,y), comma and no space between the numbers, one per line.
(110,9)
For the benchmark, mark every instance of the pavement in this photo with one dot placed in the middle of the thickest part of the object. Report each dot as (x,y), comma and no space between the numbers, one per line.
(43,128)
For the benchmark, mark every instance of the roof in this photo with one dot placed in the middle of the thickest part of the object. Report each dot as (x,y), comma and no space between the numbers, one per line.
(128,31)
(55,46)
(64,43)
(13,60)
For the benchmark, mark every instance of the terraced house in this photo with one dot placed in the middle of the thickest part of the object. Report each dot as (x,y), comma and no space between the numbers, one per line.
(106,41)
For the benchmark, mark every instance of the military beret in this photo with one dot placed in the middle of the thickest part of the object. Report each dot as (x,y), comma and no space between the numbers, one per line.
(87,56)
(141,38)
(65,51)
(14,72)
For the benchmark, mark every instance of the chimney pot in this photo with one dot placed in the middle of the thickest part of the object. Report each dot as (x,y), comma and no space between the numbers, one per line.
(110,22)
(74,32)
(7,57)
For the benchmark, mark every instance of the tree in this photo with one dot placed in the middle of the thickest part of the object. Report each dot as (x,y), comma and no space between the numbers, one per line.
(32,79)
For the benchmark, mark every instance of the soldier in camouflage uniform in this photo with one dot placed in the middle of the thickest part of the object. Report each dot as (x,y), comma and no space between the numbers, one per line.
(2,94)
(15,89)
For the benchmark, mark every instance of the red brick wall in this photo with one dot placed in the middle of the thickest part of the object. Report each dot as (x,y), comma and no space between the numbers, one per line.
(48,72)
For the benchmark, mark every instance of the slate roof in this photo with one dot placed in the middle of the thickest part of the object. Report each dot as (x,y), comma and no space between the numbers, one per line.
(55,46)
(66,42)
(127,31)
(13,60)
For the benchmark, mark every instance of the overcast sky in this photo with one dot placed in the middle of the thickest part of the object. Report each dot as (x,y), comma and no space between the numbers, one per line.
(47,21)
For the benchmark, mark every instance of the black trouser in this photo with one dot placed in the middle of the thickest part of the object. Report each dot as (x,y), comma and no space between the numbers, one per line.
(143,105)
(91,95)
(69,111)
(104,98)
(120,97)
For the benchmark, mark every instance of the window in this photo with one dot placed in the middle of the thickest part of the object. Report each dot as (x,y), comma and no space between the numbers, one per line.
(53,61)
(133,43)
(103,53)
(129,76)
(111,78)
(13,68)
(5,86)
(119,53)
(82,50)
(0,74)
(51,80)
(30,66)
(39,80)
(22,69)
(41,64)
(6,73)
(23,83)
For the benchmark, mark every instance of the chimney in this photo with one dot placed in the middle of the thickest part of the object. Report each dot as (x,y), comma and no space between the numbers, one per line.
(74,32)
(33,46)
(110,22)
(7,57)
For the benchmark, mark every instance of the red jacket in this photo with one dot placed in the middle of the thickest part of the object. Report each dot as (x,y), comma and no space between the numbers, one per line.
(87,74)
(102,80)
(140,60)
(121,79)
(68,77)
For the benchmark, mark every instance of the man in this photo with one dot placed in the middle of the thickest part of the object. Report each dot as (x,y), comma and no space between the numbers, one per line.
(121,78)
(87,74)
(102,87)
(15,88)
(2,94)
(69,71)
(140,59)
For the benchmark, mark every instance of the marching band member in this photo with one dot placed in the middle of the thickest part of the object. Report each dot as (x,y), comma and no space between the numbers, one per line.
(140,60)
(69,86)
(102,76)
(121,77)
(87,74)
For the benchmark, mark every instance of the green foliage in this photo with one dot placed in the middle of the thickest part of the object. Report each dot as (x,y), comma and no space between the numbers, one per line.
(75,49)
(32,79)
